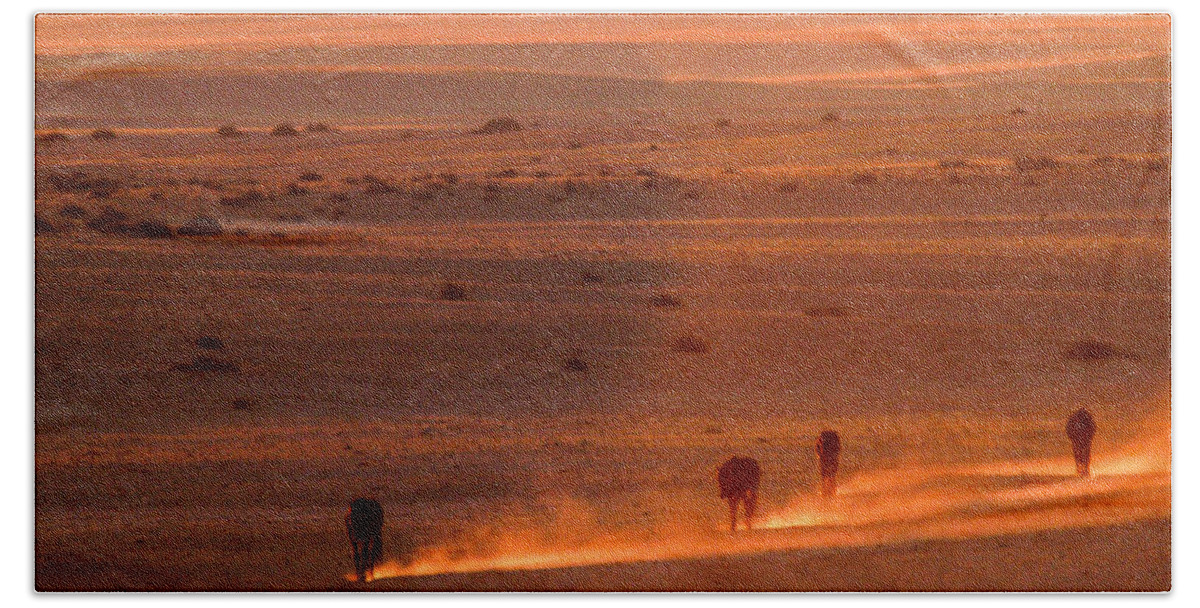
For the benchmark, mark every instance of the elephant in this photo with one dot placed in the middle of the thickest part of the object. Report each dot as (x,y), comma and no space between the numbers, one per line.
(364,526)
(829,446)
(738,479)
(1081,427)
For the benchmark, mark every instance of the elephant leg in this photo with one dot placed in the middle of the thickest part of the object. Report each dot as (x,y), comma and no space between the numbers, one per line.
(359,570)
(751,506)
(733,505)
(1083,457)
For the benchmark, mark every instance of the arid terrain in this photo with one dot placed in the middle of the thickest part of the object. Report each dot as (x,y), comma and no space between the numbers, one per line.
(535,347)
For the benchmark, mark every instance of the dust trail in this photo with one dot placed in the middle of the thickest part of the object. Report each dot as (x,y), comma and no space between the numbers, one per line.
(875,507)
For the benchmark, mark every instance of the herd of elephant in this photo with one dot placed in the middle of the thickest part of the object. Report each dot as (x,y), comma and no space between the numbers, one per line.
(738,480)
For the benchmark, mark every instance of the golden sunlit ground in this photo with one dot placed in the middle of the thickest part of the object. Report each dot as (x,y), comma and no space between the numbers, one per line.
(535,348)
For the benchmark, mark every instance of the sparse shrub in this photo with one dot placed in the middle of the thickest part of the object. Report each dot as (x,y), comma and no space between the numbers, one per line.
(590,278)
(575,145)
(645,172)
(448,177)
(1035,163)
(210,343)
(505,174)
(499,125)
(229,131)
(242,405)
(713,429)
(890,151)
(103,134)
(1090,350)
(1018,112)
(575,364)
(244,199)
(653,147)
(284,130)
(51,138)
(41,226)
(692,344)
(74,212)
(453,292)
(151,229)
(317,127)
(863,178)
(665,300)
(294,189)
(789,187)
(1157,165)
(724,123)
(99,187)
(376,185)
(542,174)
(110,221)
(831,117)
(309,176)
(201,226)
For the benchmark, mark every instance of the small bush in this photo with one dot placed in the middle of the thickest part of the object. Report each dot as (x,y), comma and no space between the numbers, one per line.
(505,174)
(151,229)
(499,125)
(723,123)
(309,176)
(448,177)
(591,278)
(41,226)
(295,189)
(789,187)
(575,364)
(210,343)
(1018,112)
(284,130)
(665,300)
(201,226)
(244,199)
(1090,350)
(692,344)
(103,134)
(317,127)
(863,178)
(831,117)
(453,292)
(229,131)
(74,212)
(51,138)
(1156,166)
(110,221)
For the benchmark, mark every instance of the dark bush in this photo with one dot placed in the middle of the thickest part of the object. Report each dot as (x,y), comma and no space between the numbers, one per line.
(505,174)
(41,226)
(1018,112)
(575,364)
(1034,163)
(309,176)
(692,344)
(317,127)
(210,343)
(789,187)
(110,221)
(453,292)
(864,178)
(295,189)
(51,137)
(103,134)
(665,300)
(100,187)
(1156,166)
(74,212)
(831,117)
(591,278)
(201,226)
(450,178)
(723,123)
(284,130)
(1090,350)
(499,125)
(645,172)
(151,229)
(229,131)
(244,199)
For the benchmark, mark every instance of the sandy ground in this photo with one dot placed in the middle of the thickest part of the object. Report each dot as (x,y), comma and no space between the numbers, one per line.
(933,313)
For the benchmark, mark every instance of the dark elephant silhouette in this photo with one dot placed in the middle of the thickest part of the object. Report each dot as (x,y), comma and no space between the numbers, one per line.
(829,446)
(364,526)
(1081,427)
(738,479)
